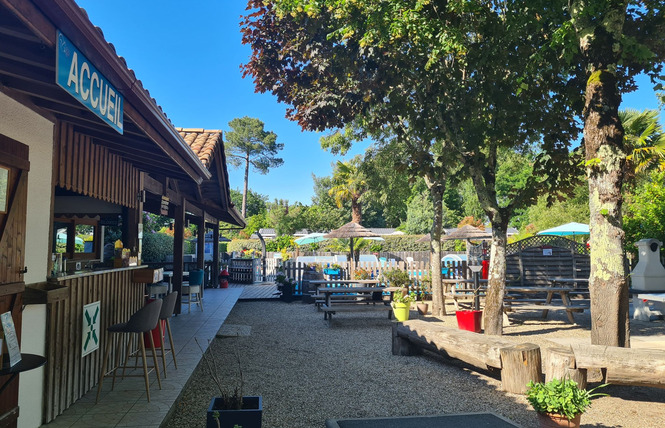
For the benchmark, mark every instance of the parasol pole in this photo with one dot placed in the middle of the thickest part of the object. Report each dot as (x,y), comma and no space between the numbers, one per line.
(353,259)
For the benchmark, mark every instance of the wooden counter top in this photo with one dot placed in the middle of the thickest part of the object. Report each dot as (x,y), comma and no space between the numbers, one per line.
(78,274)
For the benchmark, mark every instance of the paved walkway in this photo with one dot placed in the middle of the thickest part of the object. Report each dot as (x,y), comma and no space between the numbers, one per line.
(126,405)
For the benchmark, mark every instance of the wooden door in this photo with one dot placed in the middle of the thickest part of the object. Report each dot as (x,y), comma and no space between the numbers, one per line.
(14,166)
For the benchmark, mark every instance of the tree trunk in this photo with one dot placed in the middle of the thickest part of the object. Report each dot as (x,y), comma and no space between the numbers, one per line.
(356,211)
(605,157)
(244,191)
(493,311)
(438,299)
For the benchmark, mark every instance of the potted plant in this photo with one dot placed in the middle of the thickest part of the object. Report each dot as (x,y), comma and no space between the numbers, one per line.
(401,304)
(423,307)
(286,286)
(402,299)
(231,409)
(471,319)
(559,403)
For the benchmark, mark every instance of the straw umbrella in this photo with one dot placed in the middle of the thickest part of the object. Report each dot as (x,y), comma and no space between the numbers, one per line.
(351,230)
(467,233)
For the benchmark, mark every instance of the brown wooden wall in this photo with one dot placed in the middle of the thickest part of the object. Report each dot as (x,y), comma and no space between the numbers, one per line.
(15,156)
(92,170)
(68,375)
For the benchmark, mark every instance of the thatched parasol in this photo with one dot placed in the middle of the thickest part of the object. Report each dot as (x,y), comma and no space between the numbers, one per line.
(351,230)
(467,232)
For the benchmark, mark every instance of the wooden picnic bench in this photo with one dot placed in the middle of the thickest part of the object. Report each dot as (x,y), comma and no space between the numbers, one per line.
(356,299)
(514,300)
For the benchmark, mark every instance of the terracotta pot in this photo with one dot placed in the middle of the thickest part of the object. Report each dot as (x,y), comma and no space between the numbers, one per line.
(423,308)
(553,420)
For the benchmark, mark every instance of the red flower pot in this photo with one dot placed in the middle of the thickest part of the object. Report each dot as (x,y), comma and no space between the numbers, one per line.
(469,320)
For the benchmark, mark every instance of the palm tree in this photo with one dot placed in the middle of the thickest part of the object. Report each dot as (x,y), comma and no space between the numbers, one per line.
(644,140)
(350,185)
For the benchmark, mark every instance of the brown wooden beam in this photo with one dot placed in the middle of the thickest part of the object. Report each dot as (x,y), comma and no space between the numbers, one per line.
(178,253)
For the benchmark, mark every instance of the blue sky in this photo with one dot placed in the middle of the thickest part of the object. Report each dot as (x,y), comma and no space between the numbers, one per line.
(187,54)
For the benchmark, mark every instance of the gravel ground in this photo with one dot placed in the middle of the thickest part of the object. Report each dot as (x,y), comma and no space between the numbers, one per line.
(308,372)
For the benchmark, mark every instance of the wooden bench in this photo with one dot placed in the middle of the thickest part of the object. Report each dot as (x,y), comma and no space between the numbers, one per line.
(620,366)
(329,311)
(517,363)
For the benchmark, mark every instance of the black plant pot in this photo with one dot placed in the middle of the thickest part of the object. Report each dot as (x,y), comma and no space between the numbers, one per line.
(247,417)
(287,293)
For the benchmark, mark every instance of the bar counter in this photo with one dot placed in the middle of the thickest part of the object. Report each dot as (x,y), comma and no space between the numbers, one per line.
(69,374)
(83,273)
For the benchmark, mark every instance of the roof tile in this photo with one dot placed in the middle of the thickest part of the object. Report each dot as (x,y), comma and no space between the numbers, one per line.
(202,142)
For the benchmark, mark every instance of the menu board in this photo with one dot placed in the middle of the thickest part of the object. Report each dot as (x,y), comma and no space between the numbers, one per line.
(10,338)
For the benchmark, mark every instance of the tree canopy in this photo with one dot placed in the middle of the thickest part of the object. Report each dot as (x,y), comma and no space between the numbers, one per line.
(248,143)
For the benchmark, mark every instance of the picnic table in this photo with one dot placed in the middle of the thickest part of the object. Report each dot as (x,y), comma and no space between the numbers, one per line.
(567,282)
(343,282)
(513,299)
(354,299)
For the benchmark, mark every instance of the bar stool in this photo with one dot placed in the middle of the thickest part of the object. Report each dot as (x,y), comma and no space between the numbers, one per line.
(143,321)
(165,314)
(193,289)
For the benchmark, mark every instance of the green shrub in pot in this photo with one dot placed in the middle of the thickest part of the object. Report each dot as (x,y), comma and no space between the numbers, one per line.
(562,397)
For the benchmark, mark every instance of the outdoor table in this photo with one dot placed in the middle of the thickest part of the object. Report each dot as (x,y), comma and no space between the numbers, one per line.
(562,291)
(28,362)
(345,282)
(362,292)
(564,282)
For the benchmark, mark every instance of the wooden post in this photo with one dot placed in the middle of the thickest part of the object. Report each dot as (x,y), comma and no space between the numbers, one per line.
(200,242)
(178,252)
(560,364)
(520,364)
(214,277)
(403,346)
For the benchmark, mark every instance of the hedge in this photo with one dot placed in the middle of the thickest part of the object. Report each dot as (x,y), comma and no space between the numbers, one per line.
(242,244)
(156,246)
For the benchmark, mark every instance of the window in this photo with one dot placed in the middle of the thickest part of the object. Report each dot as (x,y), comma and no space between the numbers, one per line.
(76,238)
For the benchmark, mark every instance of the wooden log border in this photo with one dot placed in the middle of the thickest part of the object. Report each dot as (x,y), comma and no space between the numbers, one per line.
(68,375)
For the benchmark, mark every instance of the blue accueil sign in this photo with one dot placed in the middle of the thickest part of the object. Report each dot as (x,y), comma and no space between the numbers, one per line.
(76,75)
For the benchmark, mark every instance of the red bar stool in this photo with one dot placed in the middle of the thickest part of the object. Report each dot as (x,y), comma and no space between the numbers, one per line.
(143,321)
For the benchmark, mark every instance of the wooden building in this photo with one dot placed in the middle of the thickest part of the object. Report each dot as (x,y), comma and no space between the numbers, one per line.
(83,146)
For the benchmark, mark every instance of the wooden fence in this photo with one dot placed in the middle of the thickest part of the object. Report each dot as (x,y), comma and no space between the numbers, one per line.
(534,259)
(416,270)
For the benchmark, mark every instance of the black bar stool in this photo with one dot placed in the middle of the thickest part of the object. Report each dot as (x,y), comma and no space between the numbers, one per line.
(143,321)
(165,314)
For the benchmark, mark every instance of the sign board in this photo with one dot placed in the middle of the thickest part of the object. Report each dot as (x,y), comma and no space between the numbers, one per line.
(164,209)
(90,337)
(76,75)
(547,250)
(109,221)
(10,338)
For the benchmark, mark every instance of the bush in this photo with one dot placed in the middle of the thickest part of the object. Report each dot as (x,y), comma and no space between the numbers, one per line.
(156,246)
(241,244)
